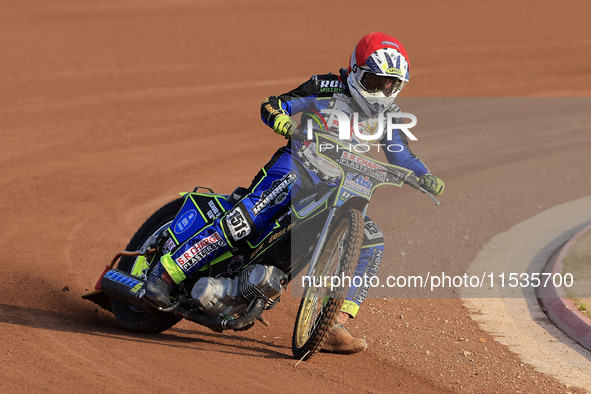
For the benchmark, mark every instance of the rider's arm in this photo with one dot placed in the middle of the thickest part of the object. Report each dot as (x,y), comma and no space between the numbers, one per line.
(288,104)
(398,153)
(299,99)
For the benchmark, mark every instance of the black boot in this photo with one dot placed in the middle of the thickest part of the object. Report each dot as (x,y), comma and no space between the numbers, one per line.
(159,287)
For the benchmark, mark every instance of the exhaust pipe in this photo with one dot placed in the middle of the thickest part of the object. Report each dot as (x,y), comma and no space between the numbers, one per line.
(123,287)
(130,290)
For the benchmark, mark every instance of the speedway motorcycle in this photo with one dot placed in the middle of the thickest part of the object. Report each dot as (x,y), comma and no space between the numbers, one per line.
(322,231)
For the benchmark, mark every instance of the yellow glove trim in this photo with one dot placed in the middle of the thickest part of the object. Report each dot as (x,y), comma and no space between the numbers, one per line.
(283,125)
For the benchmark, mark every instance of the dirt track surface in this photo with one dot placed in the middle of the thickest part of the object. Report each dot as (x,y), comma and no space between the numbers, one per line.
(107,109)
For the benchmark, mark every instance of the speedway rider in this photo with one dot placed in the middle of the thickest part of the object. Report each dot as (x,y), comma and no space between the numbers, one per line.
(378,70)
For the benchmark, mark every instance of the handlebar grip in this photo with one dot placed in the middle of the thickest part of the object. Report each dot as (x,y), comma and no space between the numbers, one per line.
(412,181)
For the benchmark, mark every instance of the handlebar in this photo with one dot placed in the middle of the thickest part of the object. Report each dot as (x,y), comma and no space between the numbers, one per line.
(412,181)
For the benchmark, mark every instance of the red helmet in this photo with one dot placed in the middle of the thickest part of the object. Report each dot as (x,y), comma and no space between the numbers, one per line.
(378,70)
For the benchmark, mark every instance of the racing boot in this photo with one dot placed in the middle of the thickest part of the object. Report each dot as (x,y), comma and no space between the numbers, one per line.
(159,287)
(339,340)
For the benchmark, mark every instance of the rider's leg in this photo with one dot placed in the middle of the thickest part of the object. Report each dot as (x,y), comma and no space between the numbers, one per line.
(367,267)
(268,195)
(339,339)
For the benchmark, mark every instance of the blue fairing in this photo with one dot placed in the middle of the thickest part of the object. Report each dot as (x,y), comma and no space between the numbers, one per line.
(193,216)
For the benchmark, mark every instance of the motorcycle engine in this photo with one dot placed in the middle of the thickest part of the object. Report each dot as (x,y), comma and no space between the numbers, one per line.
(224,296)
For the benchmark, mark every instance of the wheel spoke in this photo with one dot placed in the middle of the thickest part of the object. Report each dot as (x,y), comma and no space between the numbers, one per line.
(322,298)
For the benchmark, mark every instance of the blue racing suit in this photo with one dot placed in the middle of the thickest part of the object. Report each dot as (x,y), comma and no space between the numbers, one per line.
(284,176)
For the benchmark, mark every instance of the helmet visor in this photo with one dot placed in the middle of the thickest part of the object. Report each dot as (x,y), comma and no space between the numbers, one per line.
(380,84)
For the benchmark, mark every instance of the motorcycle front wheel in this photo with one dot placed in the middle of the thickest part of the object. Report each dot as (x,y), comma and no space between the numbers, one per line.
(321,300)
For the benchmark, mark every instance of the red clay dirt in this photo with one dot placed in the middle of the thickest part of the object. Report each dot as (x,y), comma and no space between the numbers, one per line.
(108,109)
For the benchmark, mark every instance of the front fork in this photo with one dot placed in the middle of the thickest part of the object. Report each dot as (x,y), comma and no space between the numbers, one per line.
(324,234)
(321,240)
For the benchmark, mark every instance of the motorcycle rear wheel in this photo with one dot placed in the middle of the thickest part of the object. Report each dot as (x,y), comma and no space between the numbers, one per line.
(127,316)
(320,304)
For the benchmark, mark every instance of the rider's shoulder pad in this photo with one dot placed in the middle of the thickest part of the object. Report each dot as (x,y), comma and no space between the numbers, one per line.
(328,83)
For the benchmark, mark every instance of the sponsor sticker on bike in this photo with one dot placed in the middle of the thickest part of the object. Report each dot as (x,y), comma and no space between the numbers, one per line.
(364,164)
(199,250)
(185,221)
(123,279)
(213,212)
(168,246)
(358,183)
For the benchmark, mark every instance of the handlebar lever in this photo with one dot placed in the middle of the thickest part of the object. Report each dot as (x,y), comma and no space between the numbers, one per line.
(411,181)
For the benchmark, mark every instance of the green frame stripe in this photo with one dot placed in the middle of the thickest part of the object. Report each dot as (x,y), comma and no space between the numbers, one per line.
(138,266)
(176,241)
(323,207)
(275,227)
(205,219)
(219,200)
(217,260)
(372,245)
